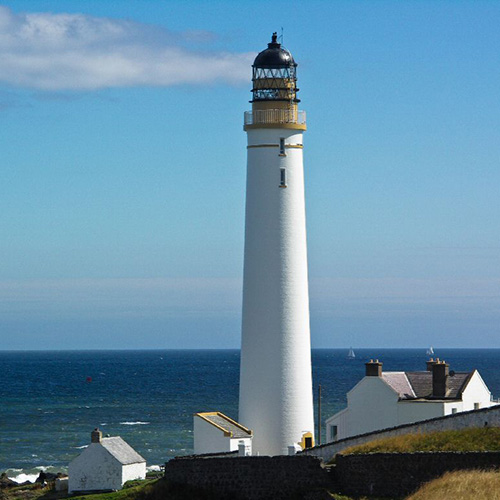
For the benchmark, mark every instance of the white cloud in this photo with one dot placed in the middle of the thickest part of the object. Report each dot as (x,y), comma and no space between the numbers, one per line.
(79,52)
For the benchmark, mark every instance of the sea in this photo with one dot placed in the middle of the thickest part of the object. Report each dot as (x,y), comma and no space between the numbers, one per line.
(50,401)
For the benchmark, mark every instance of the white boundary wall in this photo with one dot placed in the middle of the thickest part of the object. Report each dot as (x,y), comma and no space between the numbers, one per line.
(488,417)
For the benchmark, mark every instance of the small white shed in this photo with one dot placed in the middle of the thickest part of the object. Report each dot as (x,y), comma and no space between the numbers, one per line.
(105,465)
(214,432)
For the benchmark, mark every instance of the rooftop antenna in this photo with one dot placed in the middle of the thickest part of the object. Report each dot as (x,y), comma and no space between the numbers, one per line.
(281,36)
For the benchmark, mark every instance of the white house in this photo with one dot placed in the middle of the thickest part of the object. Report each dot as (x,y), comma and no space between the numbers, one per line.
(214,432)
(386,399)
(106,464)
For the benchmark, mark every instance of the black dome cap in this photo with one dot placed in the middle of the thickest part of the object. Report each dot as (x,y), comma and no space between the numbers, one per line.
(274,56)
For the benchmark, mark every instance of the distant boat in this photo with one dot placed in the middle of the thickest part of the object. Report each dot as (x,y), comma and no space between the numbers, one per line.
(351,354)
(430,351)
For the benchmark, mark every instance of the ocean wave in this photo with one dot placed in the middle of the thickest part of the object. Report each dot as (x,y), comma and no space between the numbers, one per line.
(22,475)
(153,468)
(135,423)
(80,447)
(22,478)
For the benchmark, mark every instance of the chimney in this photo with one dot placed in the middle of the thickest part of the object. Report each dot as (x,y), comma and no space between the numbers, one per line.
(374,368)
(95,436)
(431,363)
(440,373)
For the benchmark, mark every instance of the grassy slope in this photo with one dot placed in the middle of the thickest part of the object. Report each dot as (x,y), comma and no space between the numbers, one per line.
(480,439)
(461,485)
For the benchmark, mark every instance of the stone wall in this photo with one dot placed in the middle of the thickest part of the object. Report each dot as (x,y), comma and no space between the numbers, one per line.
(249,478)
(474,418)
(398,474)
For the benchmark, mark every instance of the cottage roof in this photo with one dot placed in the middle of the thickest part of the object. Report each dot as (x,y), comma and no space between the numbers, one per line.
(418,385)
(421,383)
(121,450)
(400,383)
(225,424)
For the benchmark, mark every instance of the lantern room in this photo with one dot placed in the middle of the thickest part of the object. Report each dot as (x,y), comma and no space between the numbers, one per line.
(274,90)
(274,74)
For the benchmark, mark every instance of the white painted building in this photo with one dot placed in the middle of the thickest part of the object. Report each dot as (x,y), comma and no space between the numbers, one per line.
(275,377)
(386,399)
(106,464)
(214,432)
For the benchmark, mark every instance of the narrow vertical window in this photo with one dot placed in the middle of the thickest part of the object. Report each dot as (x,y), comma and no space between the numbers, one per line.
(282,178)
(282,146)
(334,431)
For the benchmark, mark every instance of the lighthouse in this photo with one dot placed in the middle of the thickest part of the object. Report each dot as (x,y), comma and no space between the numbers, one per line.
(275,375)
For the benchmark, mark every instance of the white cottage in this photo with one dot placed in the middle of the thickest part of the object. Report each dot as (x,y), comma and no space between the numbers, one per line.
(106,464)
(214,432)
(386,399)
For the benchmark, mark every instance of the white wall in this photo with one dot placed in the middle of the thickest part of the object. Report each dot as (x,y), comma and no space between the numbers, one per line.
(94,469)
(341,420)
(133,471)
(414,411)
(372,405)
(275,377)
(487,417)
(476,392)
(234,442)
(209,439)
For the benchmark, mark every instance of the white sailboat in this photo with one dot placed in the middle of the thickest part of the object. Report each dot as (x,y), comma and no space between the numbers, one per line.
(351,354)
(430,351)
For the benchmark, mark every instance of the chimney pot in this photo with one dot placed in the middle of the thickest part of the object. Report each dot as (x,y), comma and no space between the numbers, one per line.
(95,436)
(430,364)
(374,368)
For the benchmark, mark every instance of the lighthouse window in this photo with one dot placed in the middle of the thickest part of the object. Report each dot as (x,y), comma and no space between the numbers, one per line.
(282,178)
(282,146)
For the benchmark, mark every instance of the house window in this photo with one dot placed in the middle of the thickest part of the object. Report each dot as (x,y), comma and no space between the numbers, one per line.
(334,430)
(282,146)
(477,406)
(282,178)
(453,410)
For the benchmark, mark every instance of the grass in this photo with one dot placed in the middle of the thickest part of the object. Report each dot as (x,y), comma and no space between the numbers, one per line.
(461,485)
(149,489)
(135,490)
(479,439)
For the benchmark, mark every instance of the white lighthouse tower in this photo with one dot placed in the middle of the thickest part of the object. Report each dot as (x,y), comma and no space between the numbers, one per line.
(275,378)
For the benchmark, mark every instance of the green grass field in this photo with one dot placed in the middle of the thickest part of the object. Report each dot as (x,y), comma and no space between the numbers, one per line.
(480,439)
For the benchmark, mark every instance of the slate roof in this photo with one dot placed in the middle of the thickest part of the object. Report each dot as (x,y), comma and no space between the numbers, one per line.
(422,383)
(400,383)
(121,450)
(230,428)
(418,385)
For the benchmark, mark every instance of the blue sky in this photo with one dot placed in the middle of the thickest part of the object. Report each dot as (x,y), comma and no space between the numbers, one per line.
(122,162)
